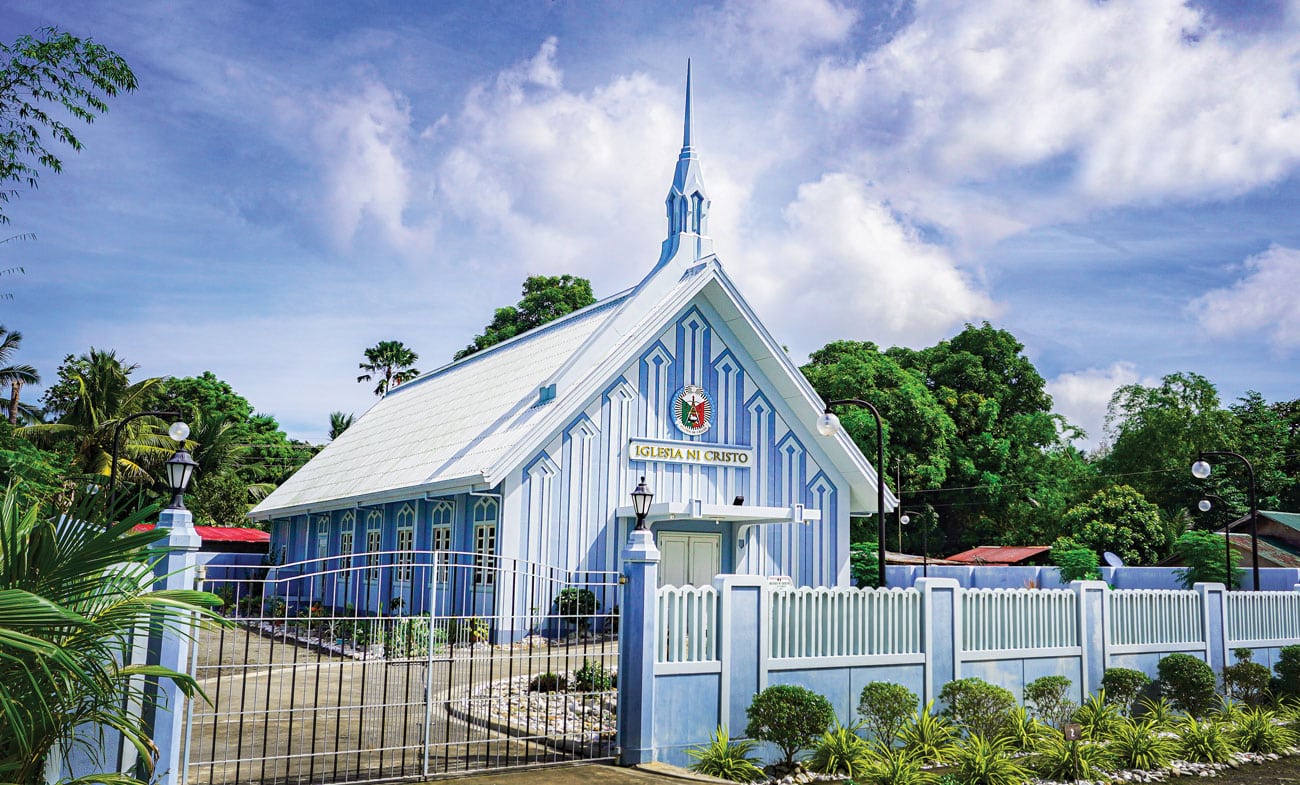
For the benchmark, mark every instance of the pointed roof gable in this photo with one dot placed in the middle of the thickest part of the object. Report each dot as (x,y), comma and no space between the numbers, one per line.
(467,424)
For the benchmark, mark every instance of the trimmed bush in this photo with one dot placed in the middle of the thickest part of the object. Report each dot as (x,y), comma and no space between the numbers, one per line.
(1287,669)
(1047,696)
(1247,681)
(842,752)
(979,707)
(548,682)
(1123,686)
(1188,683)
(884,707)
(727,759)
(789,716)
(593,677)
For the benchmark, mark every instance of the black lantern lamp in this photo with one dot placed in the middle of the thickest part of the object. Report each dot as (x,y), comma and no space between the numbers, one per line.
(180,470)
(641,498)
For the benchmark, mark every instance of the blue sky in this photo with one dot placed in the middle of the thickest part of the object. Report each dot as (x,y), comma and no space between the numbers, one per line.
(1113,182)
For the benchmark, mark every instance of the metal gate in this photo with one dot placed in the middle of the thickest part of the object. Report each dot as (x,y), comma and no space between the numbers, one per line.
(392,665)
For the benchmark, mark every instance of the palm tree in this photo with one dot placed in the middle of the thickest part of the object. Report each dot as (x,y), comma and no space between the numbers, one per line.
(392,362)
(76,591)
(14,375)
(340,422)
(95,394)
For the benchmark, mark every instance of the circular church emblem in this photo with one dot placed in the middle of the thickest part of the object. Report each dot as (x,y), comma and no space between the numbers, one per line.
(692,410)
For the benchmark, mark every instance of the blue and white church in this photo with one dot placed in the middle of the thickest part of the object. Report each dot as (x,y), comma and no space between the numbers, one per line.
(528,451)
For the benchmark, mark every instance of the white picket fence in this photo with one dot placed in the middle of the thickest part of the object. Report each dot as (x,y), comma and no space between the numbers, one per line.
(1150,617)
(1002,619)
(844,622)
(1263,616)
(808,623)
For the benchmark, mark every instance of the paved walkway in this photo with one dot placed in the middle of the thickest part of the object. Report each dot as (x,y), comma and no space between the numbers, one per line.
(591,774)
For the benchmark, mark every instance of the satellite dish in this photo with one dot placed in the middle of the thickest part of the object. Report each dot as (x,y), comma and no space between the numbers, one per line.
(1112,560)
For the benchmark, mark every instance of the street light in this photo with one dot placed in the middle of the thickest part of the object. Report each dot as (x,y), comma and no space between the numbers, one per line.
(1204,505)
(641,498)
(179,431)
(180,470)
(827,425)
(905,519)
(1201,470)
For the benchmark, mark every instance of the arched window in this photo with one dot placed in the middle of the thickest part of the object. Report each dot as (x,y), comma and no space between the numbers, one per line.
(485,540)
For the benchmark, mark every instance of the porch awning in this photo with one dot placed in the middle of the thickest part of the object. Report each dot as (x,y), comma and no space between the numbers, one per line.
(697,510)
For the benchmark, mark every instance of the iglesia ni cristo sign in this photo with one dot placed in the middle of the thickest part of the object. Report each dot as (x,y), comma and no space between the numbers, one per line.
(691,452)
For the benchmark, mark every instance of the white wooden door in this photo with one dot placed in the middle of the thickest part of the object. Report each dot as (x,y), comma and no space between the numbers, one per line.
(689,559)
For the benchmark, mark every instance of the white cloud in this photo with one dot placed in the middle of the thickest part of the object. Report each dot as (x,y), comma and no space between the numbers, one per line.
(845,266)
(1083,396)
(1112,103)
(363,143)
(779,33)
(1264,300)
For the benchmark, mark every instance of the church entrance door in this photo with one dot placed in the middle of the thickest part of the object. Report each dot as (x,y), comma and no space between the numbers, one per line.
(689,559)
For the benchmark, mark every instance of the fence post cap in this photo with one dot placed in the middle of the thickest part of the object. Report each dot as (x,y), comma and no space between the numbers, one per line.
(640,547)
(1089,585)
(922,584)
(1206,587)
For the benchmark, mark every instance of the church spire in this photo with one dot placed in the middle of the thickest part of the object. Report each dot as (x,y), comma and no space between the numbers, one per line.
(688,201)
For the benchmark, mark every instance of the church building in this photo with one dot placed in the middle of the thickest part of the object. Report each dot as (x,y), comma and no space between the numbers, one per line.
(528,451)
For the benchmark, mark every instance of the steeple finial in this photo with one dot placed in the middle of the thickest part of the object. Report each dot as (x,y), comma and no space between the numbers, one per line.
(688,202)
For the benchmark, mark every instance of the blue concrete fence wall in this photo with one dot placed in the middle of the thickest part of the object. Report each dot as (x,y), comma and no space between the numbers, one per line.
(1007,577)
(694,657)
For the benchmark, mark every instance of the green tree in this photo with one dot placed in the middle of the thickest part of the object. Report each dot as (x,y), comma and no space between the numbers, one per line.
(1206,560)
(392,362)
(545,298)
(1007,440)
(74,593)
(1075,562)
(340,422)
(43,78)
(1120,520)
(14,375)
(93,394)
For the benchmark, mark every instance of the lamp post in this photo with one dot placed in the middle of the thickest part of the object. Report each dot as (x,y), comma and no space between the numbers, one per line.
(1201,470)
(905,518)
(827,425)
(1204,505)
(180,470)
(179,431)
(641,498)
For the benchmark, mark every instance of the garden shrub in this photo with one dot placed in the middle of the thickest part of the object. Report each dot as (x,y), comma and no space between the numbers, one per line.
(895,767)
(979,707)
(1188,683)
(577,606)
(1123,686)
(1074,562)
(1202,742)
(1097,718)
(727,759)
(840,751)
(981,761)
(928,737)
(593,677)
(1257,730)
(1139,744)
(1287,669)
(884,707)
(789,716)
(548,682)
(1228,710)
(1047,695)
(1023,731)
(1069,761)
(1247,681)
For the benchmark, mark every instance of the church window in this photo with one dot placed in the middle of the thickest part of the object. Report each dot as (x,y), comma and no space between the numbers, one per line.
(405,543)
(485,540)
(374,543)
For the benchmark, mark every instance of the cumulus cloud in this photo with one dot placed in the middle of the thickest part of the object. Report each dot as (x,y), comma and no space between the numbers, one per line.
(1083,396)
(846,266)
(1101,104)
(1263,301)
(779,33)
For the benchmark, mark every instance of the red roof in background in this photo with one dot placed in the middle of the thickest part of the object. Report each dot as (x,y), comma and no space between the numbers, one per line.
(999,554)
(222,533)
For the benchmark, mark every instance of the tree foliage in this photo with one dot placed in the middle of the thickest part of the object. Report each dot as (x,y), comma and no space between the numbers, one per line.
(545,298)
(392,362)
(44,77)
(1119,520)
(1205,559)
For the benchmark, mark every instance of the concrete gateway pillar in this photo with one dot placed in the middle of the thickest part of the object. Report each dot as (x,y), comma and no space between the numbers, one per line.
(636,651)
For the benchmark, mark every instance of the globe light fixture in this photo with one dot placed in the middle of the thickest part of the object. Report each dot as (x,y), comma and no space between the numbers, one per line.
(1201,470)
(1204,505)
(641,498)
(828,424)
